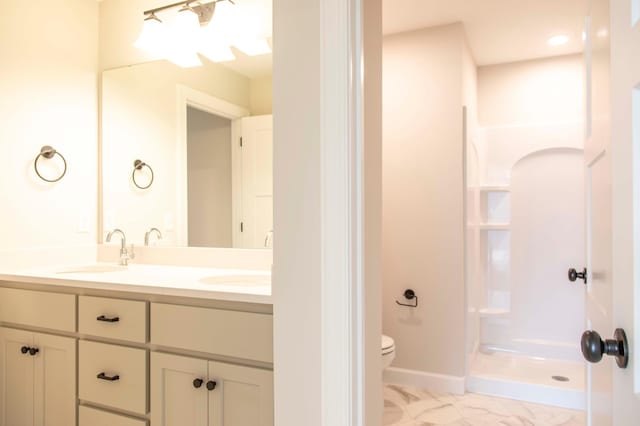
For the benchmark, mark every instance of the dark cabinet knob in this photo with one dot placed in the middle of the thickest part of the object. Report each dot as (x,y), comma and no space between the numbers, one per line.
(574,275)
(211,385)
(594,348)
(33,351)
(197,383)
(24,349)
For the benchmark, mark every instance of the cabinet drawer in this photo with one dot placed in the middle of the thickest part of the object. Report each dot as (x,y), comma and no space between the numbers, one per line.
(38,309)
(126,365)
(92,417)
(113,318)
(229,333)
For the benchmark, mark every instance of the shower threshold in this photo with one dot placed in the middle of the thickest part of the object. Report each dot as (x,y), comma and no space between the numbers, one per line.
(553,382)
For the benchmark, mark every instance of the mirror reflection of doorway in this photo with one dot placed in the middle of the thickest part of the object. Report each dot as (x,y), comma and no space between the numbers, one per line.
(230,195)
(209,179)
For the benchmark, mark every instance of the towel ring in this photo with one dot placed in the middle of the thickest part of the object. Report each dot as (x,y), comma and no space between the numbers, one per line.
(137,166)
(48,153)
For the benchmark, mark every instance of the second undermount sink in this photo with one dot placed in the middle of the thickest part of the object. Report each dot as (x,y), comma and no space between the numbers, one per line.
(238,280)
(92,269)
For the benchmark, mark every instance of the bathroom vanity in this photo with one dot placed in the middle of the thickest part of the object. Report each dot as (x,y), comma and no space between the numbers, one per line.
(155,345)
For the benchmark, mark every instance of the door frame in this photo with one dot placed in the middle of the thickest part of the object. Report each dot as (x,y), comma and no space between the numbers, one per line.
(327,204)
(188,97)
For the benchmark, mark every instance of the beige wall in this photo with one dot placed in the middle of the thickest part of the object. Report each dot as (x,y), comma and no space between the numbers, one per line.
(49,97)
(423,197)
(260,96)
(209,179)
(531,92)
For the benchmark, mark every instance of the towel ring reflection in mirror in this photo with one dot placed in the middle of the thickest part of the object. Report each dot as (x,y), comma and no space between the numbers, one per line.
(48,153)
(138,165)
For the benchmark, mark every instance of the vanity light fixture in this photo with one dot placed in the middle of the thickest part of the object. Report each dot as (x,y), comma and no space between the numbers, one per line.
(181,38)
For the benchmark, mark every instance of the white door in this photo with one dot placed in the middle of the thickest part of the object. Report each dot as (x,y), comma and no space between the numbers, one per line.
(599,288)
(243,396)
(257,180)
(177,399)
(625,141)
(612,78)
(16,378)
(54,380)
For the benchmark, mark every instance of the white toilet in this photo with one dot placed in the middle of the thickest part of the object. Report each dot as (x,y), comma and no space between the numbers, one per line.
(388,351)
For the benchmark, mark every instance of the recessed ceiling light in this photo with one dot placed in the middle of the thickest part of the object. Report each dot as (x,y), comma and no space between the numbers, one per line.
(558,40)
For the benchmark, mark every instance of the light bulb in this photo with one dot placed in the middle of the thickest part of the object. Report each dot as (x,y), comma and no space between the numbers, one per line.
(224,24)
(217,52)
(153,35)
(186,26)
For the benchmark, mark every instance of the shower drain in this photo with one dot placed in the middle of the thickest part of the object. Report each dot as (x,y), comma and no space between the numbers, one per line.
(560,378)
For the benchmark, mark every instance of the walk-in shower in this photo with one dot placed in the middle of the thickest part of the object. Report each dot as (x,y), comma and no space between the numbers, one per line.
(525,229)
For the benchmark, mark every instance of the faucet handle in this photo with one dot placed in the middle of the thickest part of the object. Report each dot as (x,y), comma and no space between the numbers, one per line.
(132,253)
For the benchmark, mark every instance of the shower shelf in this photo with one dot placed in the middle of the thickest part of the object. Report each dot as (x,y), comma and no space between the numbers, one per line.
(494,226)
(495,188)
(493,312)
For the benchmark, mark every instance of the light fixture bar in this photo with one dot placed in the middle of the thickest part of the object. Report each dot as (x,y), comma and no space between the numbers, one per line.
(169,6)
(203,10)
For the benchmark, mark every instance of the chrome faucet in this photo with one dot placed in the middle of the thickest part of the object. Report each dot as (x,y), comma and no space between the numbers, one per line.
(125,255)
(148,234)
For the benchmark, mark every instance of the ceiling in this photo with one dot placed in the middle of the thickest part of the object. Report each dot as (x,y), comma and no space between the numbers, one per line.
(498,30)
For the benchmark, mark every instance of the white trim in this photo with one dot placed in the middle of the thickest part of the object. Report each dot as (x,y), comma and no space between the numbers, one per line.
(342,353)
(424,380)
(188,97)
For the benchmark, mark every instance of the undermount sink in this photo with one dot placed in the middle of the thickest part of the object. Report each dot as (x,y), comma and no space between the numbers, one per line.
(92,269)
(242,280)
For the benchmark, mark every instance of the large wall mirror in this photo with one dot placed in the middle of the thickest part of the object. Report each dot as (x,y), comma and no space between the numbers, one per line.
(188,150)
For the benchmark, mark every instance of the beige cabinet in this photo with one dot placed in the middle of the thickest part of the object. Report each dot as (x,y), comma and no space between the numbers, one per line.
(197,392)
(37,379)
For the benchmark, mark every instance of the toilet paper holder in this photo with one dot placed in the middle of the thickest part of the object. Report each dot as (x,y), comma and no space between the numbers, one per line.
(409,295)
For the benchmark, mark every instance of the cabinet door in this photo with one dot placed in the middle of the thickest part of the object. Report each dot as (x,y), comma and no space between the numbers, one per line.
(175,400)
(16,378)
(243,396)
(54,381)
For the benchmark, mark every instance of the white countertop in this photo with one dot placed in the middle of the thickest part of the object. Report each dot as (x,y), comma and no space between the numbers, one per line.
(235,285)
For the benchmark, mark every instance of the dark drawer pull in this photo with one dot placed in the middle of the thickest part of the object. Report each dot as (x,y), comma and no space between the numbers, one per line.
(103,376)
(105,319)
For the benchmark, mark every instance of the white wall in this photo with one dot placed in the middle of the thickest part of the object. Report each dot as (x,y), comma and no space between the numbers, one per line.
(209,179)
(423,196)
(297,219)
(49,97)
(539,91)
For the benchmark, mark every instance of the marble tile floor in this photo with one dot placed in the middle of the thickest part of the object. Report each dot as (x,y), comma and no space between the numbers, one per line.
(405,406)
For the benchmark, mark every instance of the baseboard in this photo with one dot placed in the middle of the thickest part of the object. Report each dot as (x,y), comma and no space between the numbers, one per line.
(424,380)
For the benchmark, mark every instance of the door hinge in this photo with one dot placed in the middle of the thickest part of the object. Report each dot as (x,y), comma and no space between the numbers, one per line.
(241,143)
(241,226)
